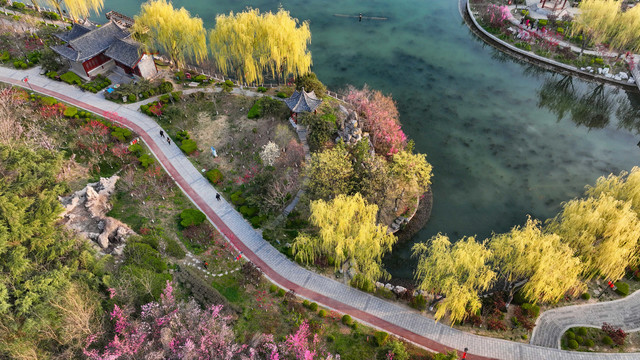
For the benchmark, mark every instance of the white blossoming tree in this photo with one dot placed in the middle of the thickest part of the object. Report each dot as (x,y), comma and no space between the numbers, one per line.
(270,153)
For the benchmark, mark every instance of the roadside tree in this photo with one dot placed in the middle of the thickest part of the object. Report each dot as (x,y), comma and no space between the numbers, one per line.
(347,232)
(457,272)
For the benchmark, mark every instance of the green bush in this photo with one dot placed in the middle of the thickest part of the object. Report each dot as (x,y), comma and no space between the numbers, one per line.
(122,134)
(257,221)
(419,302)
(586,296)
(48,100)
(189,146)
(543,22)
(200,78)
(5,56)
(144,108)
(313,306)
(560,30)
(255,111)
(589,343)
(237,199)
(176,95)
(570,335)
(136,149)
(34,57)
(572,344)
(132,98)
(228,83)
(322,313)
(50,15)
(191,217)
(282,95)
(180,75)
(70,112)
(579,340)
(18,5)
(165,87)
(622,288)
(518,298)
(582,331)
(165,98)
(380,337)
(281,292)
(607,340)
(174,249)
(248,211)
(331,338)
(598,61)
(214,176)
(182,135)
(306,303)
(262,89)
(71,78)
(310,83)
(145,160)
(346,319)
(273,288)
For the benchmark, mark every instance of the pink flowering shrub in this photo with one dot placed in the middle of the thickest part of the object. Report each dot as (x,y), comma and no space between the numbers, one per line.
(379,117)
(496,15)
(177,330)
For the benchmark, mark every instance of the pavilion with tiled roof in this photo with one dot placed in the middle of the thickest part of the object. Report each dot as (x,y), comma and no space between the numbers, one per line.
(94,50)
(302,101)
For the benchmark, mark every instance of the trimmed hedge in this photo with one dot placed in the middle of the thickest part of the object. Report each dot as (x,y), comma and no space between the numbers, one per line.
(586,296)
(281,293)
(71,78)
(322,313)
(189,146)
(273,288)
(346,319)
(122,134)
(570,335)
(572,344)
(191,217)
(146,160)
(136,149)
(313,306)
(582,331)
(70,112)
(255,111)
(622,288)
(607,340)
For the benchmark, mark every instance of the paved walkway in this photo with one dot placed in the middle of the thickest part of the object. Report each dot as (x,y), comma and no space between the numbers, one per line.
(392,317)
(623,313)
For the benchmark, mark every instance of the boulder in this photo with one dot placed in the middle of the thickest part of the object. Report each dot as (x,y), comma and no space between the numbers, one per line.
(623,75)
(379,285)
(399,290)
(389,287)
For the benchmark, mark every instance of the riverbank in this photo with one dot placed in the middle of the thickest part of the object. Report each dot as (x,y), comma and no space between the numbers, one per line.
(586,72)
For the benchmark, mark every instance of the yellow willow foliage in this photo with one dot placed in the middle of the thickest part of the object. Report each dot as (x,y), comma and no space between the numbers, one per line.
(625,34)
(603,231)
(625,187)
(412,169)
(249,44)
(548,265)
(348,231)
(458,272)
(596,19)
(172,30)
(80,9)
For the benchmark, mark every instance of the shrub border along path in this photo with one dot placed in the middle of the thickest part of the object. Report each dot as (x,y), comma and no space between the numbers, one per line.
(394,318)
(623,313)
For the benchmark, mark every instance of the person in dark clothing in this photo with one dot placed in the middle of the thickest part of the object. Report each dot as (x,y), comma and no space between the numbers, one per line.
(217,196)
(168,140)
(161,134)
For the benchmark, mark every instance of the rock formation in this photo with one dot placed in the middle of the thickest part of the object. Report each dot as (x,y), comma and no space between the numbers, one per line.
(85,212)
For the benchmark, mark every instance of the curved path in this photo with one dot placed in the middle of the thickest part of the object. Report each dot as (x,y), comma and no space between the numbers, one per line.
(392,317)
(623,313)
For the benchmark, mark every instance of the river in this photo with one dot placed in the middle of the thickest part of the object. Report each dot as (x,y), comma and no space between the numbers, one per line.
(506,139)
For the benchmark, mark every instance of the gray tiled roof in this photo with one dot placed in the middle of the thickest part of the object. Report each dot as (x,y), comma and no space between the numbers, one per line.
(302,101)
(125,51)
(65,51)
(92,42)
(76,31)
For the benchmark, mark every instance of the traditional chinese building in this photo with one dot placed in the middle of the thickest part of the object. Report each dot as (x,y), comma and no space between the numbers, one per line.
(302,101)
(93,50)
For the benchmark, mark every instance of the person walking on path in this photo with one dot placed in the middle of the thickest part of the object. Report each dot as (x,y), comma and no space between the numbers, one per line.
(162,134)
(168,140)
(217,196)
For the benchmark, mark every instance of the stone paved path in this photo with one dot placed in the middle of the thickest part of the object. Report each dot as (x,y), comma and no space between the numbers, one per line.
(392,317)
(623,313)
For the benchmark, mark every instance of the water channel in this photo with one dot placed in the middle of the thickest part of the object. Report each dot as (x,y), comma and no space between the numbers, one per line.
(506,139)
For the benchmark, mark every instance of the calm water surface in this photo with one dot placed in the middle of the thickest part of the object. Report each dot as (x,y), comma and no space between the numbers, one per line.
(505,139)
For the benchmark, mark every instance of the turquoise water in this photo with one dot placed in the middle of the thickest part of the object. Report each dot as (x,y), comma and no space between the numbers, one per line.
(498,154)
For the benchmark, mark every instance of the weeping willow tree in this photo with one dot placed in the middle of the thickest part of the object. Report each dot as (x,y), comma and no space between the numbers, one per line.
(458,272)
(348,232)
(603,231)
(249,45)
(625,187)
(547,266)
(78,9)
(175,31)
(625,34)
(596,20)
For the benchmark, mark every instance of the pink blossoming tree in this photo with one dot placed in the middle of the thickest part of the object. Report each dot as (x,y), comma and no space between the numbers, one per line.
(169,329)
(379,116)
